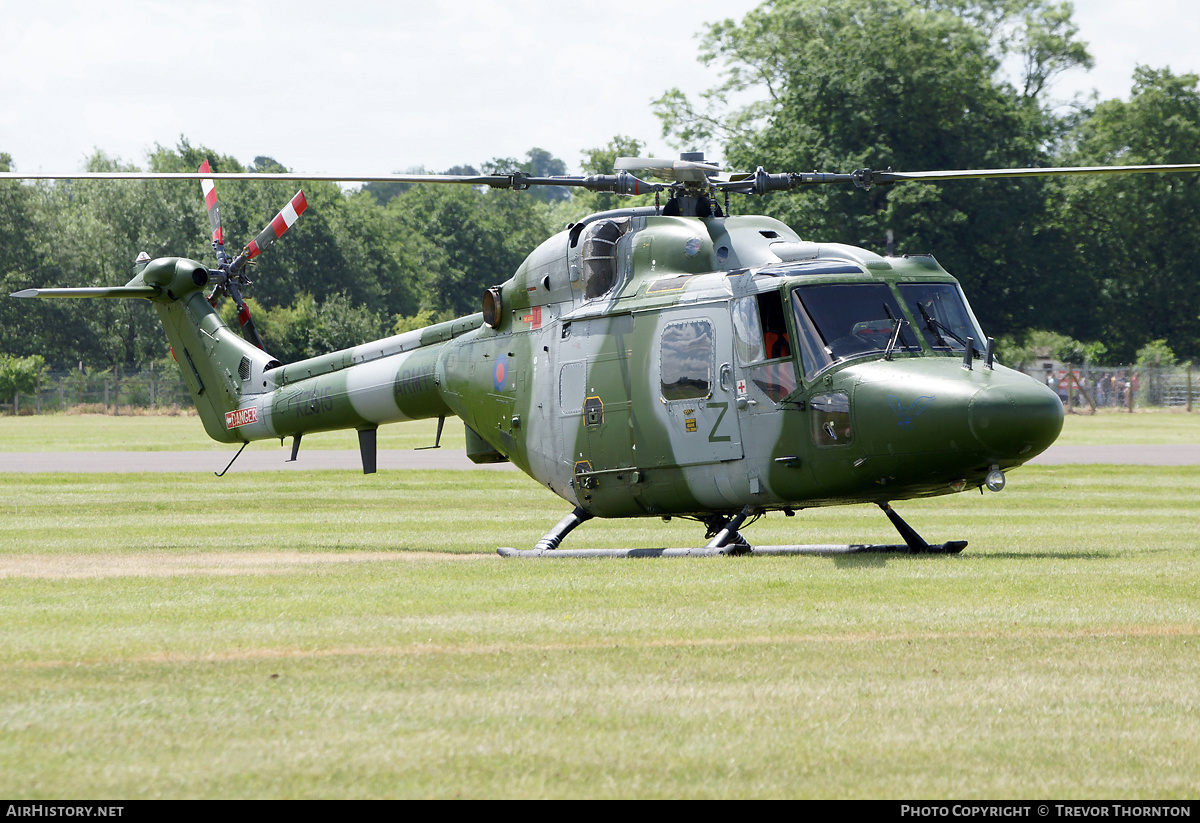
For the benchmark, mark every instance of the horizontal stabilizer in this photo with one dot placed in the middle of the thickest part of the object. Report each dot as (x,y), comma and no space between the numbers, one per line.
(93,291)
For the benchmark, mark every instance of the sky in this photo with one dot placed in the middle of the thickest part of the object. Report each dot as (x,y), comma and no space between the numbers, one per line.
(376,87)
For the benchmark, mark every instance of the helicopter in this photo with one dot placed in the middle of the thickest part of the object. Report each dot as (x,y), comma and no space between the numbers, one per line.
(654,361)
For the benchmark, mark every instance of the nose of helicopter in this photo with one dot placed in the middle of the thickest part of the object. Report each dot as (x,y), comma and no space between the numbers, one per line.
(1017,418)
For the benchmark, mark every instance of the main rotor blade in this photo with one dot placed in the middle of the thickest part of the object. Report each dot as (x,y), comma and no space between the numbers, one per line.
(760,182)
(495,180)
(623,183)
(981,174)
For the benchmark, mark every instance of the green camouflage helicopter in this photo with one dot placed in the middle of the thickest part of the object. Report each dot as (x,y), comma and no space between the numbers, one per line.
(654,361)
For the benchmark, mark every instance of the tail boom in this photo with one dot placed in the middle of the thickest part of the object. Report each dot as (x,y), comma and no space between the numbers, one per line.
(244,394)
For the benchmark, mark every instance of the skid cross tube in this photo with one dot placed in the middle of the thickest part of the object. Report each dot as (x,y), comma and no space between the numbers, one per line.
(915,541)
(564,527)
(728,537)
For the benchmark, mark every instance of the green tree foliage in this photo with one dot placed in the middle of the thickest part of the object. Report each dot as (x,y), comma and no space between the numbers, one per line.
(18,262)
(19,375)
(541,163)
(1136,263)
(90,232)
(384,192)
(339,245)
(423,318)
(308,328)
(1027,349)
(465,240)
(1156,353)
(344,274)
(538,163)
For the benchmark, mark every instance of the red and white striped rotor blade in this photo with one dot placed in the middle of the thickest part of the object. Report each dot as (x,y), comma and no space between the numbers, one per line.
(210,202)
(275,229)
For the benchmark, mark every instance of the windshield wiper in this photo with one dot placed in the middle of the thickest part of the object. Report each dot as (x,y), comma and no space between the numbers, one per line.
(934,326)
(897,325)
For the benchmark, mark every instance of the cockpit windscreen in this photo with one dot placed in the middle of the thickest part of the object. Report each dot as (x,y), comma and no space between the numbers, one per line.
(853,318)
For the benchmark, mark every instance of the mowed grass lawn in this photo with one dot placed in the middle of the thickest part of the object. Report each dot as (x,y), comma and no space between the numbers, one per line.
(185,432)
(327,634)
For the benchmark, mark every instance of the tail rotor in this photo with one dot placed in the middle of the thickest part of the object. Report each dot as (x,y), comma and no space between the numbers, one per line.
(214,211)
(230,276)
(275,229)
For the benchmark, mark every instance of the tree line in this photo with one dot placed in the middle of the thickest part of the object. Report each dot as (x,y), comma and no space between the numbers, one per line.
(836,85)
(357,265)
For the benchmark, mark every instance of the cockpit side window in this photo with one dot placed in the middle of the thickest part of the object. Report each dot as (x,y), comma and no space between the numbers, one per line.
(814,356)
(747,331)
(763,346)
(775,333)
(760,328)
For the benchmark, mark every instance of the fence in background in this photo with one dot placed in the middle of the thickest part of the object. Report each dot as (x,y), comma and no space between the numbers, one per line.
(1088,387)
(152,389)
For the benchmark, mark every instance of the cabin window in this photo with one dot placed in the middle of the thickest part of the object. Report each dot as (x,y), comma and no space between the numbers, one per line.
(851,319)
(941,314)
(687,358)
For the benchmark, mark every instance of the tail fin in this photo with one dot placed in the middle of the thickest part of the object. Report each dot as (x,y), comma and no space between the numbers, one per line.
(218,365)
(93,291)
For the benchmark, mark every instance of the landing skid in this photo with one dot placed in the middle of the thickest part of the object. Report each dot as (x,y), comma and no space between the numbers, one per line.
(727,541)
(952,547)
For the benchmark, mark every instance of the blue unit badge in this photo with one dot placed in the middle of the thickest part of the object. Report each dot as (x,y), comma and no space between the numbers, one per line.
(905,414)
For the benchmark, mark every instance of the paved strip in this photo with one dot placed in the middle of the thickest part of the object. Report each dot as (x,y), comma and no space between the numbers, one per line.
(250,461)
(456,459)
(1171,455)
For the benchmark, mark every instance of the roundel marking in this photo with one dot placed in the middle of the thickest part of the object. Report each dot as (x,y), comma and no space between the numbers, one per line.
(500,375)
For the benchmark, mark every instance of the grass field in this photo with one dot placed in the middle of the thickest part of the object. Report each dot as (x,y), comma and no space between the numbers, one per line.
(100,432)
(326,634)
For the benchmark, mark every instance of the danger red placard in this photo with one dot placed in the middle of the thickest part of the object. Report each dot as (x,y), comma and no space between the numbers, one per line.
(534,318)
(241,417)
